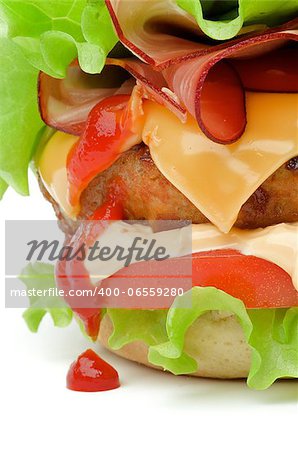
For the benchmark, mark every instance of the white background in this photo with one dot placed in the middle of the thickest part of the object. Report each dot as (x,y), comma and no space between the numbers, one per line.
(150,410)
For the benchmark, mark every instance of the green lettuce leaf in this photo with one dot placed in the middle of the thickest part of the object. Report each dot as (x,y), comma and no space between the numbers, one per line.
(3,187)
(97,26)
(41,276)
(19,117)
(272,334)
(52,33)
(127,326)
(41,35)
(274,343)
(230,17)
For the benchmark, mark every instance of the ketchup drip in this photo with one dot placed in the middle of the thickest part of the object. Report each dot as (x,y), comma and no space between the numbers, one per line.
(112,208)
(72,275)
(113,126)
(99,145)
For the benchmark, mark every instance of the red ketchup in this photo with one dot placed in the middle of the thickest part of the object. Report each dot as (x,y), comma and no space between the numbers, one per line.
(112,208)
(114,124)
(99,145)
(72,275)
(90,373)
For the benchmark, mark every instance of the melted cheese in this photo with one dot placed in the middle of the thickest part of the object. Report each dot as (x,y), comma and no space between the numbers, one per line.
(219,179)
(52,170)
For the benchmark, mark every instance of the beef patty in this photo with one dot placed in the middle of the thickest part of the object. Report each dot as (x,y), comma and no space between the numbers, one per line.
(148,195)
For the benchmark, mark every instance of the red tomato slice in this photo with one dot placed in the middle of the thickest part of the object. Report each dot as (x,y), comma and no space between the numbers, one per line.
(255,281)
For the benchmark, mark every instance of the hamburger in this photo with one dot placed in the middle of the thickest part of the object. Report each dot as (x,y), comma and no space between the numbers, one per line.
(193,117)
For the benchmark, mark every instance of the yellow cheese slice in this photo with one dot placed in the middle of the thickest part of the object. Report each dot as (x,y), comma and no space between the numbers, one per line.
(218,179)
(52,170)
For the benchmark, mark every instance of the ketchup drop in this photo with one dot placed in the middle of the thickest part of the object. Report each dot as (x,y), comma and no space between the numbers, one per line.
(90,373)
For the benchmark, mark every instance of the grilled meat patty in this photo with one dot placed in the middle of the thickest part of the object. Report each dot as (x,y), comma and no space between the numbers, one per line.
(148,195)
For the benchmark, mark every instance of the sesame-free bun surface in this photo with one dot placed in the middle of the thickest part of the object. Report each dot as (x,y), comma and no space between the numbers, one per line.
(215,340)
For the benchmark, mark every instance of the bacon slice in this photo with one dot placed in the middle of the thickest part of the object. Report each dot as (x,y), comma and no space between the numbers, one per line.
(210,89)
(213,95)
(65,104)
(208,82)
(153,31)
(148,29)
(153,83)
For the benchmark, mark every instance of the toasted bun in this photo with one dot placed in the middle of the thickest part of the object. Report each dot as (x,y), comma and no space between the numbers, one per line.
(215,340)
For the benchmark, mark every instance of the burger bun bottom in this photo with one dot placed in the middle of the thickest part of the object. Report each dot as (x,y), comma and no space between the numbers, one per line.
(215,340)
